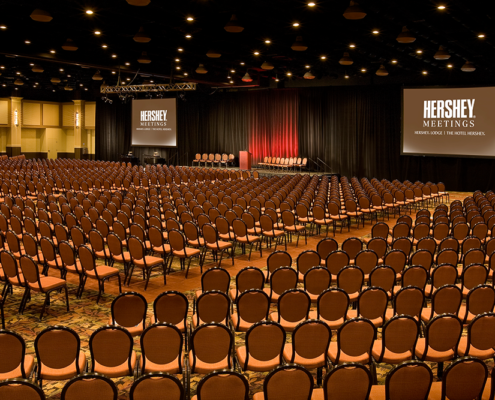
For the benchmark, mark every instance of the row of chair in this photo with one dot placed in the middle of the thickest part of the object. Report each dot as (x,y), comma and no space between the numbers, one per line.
(290,163)
(214,159)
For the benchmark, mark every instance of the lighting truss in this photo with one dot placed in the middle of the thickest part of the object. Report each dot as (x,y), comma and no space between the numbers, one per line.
(173,87)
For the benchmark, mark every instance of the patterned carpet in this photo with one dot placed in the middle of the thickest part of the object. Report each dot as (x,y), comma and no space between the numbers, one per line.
(85,316)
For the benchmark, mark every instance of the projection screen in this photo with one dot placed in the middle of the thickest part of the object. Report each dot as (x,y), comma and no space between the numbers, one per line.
(449,121)
(154,123)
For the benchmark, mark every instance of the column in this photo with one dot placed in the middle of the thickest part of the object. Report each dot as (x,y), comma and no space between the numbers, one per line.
(13,146)
(79,129)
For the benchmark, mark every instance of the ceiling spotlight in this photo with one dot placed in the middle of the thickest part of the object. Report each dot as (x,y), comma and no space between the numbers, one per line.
(311,4)
(231,81)
(127,63)
(3,27)
(289,73)
(419,51)
(242,63)
(37,68)
(256,53)
(481,35)
(425,72)
(18,72)
(52,51)
(177,60)
(308,75)
(69,45)
(201,69)
(89,12)
(450,66)
(441,54)
(27,41)
(97,32)
(363,69)
(67,87)
(188,36)
(233,26)
(61,70)
(277,80)
(41,16)
(382,71)
(299,44)
(128,79)
(81,84)
(177,67)
(405,36)
(268,41)
(346,59)
(247,78)
(105,46)
(468,67)
(346,76)
(393,61)
(213,54)
(113,72)
(229,77)
(97,76)
(85,88)
(2,67)
(114,55)
(141,36)
(307,66)
(143,58)
(180,49)
(323,57)
(267,65)
(185,74)
(354,12)
(31,64)
(441,7)
(190,18)
(375,31)
(295,24)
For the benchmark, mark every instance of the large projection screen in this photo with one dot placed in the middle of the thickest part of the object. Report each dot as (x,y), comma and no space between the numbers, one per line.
(449,122)
(154,123)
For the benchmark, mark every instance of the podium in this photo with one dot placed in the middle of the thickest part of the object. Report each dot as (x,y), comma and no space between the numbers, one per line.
(244,160)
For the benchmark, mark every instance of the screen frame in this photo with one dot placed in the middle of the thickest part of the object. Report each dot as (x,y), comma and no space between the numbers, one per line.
(158,145)
(431,154)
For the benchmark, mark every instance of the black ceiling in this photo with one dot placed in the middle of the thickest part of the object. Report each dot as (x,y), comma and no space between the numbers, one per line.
(323,28)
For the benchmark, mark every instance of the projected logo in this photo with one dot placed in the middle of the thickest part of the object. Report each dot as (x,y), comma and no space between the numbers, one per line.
(153,118)
(449,113)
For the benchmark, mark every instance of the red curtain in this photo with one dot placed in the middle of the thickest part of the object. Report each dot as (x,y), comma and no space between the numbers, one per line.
(273,122)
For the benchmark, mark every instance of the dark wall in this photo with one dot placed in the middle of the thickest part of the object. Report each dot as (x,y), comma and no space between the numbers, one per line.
(355,130)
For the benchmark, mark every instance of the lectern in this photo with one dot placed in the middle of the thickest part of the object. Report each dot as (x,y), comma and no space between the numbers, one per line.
(244,160)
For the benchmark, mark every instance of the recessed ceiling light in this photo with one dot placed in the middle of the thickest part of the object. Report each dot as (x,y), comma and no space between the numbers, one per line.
(346,76)
(81,84)
(323,57)
(89,12)
(177,60)
(3,27)
(277,80)
(114,55)
(68,76)
(180,49)
(256,53)
(18,89)
(425,72)
(127,63)
(18,72)
(185,74)
(97,32)
(188,36)
(85,88)
(481,35)
(190,18)
(231,81)
(289,73)
(242,62)
(177,67)
(104,46)
(128,79)
(352,45)
(232,70)
(419,51)
(228,76)
(4,85)
(394,61)
(295,24)
(61,70)
(307,66)
(27,41)
(152,81)
(31,64)
(363,69)
(52,51)
(441,7)
(375,31)
(113,72)
(268,41)
(311,4)
(450,66)
(2,67)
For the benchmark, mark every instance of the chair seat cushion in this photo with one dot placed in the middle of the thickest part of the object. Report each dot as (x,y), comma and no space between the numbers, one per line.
(171,368)
(47,283)
(190,252)
(181,325)
(133,330)
(288,326)
(202,367)
(253,363)
(389,357)
(473,351)
(16,373)
(309,363)
(103,271)
(219,245)
(432,355)
(344,358)
(333,325)
(119,370)
(58,374)
(243,324)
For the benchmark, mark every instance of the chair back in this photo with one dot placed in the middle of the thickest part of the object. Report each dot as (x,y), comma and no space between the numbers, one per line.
(349,381)
(355,338)
(278,259)
(409,301)
(211,343)
(294,305)
(384,277)
(212,306)
(372,303)
(282,279)
(215,278)
(289,381)
(249,278)
(350,279)
(88,385)
(325,246)
(161,344)
(307,260)
(20,389)
(149,386)
(265,341)
(316,280)
(12,352)
(223,385)
(111,346)
(465,378)
(171,307)
(336,261)
(310,340)
(129,310)
(442,334)
(410,380)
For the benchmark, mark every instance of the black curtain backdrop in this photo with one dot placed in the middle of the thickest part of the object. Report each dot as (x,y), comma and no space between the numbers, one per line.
(356,130)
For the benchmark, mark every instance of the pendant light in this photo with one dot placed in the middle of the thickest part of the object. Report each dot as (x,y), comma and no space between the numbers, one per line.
(41,16)
(233,26)
(69,45)
(382,71)
(97,76)
(68,88)
(139,3)
(267,66)
(201,69)
(441,54)
(346,59)
(37,68)
(18,82)
(213,54)
(247,78)
(308,75)
(56,80)
(141,36)
(405,36)
(468,67)
(299,44)
(143,58)
(354,12)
